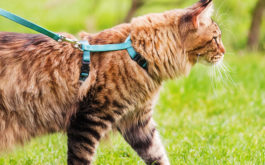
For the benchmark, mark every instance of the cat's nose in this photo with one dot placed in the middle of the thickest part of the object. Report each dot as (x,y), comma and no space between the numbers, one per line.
(222,48)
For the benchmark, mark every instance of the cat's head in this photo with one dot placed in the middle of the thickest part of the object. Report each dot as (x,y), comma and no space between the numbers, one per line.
(172,42)
(200,35)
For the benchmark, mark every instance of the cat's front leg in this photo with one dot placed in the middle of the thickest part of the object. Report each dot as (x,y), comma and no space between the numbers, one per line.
(140,132)
(84,134)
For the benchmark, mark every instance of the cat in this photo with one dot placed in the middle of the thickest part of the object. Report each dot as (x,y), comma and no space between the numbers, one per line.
(40,91)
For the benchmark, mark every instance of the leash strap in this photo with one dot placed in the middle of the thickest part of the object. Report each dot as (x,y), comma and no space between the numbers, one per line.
(30,25)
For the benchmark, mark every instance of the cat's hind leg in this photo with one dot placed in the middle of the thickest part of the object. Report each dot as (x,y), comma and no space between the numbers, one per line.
(140,132)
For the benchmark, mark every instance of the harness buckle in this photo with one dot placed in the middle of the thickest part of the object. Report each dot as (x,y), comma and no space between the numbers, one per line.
(76,43)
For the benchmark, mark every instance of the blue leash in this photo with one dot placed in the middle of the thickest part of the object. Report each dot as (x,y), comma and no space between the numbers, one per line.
(82,45)
(29,24)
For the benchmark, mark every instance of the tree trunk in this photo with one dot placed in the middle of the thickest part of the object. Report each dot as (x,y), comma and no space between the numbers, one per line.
(136,4)
(253,37)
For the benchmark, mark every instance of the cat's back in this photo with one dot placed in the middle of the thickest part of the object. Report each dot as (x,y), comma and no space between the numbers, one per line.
(30,54)
(12,45)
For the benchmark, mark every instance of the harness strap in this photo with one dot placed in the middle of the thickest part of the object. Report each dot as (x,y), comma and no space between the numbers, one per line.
(87,48)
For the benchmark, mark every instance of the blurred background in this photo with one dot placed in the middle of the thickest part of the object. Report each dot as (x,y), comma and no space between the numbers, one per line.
(216,115)
(241,21)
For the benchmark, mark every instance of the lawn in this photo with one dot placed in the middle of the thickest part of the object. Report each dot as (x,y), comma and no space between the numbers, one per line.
(202,119)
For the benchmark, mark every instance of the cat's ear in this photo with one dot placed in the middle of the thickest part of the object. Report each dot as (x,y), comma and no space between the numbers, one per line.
(201,10)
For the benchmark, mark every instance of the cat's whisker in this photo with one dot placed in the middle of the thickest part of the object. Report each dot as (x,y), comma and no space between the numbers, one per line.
(198,58)
(215,81)
(225,72)
(212,78)
(225,75)
(227,67)
(221,78)
(224,68)
(228,76)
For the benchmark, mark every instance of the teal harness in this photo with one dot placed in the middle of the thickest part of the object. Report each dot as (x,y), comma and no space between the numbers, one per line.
(82,45)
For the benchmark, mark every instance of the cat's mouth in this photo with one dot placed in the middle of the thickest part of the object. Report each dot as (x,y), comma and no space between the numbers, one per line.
(216,59)
(210,60)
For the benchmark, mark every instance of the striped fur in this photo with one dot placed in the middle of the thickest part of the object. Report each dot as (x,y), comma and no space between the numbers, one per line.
(40,92)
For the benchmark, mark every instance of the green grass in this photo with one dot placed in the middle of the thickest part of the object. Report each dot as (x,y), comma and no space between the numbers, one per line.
(200,122)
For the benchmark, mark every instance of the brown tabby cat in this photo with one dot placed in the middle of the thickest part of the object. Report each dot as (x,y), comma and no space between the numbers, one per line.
(40,91)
